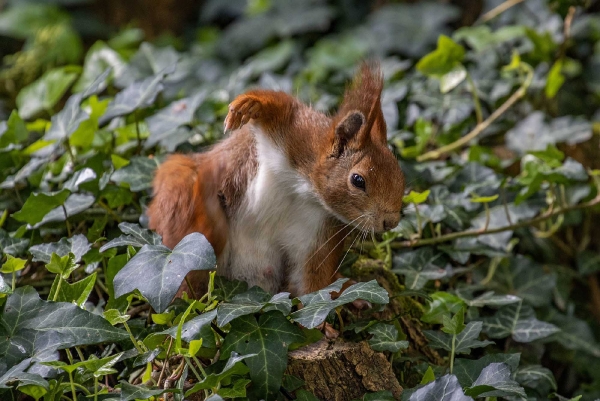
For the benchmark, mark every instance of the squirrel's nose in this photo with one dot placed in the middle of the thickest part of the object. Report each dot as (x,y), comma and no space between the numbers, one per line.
(390,222)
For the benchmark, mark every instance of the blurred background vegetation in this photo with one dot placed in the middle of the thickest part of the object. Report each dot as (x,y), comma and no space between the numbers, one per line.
(540,154)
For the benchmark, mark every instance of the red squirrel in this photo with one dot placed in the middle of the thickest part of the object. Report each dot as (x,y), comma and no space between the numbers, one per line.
(277,197)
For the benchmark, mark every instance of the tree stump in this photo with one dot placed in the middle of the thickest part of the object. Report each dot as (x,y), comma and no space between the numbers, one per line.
(342,371)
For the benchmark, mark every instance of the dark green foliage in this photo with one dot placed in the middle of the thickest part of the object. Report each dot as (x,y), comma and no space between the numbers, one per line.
(495,126)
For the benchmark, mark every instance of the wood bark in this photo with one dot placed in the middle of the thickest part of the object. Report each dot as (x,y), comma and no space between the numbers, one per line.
(342,371)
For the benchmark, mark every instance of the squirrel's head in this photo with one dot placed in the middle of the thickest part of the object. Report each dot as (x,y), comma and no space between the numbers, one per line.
(359,178)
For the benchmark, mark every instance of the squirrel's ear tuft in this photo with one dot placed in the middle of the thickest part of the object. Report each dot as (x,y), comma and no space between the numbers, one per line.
(346,130)
(364,95)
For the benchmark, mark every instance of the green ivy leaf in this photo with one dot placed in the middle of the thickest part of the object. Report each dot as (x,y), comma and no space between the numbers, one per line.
(15,131)
(536,377)
(75,204)
(468,370)
(385,338)
(198,327)
(138,95)
(76,293)
(78,245)
(37,327)
(253,301)
(555,79)
(446,388)
(268,338)
(443,59)
(466,340)
(163,124)
(66,122)
(12,264)
(226,289)
(44,93)
(317,307)
(134,236)
(164,269)
(454,325)
(138,173)
(38,205)
(416,197)
(129,392)
(418,267)
(441,304)
(232,367)
(519,321)
(495,381)
(63,266)
(428,377)
(98,59)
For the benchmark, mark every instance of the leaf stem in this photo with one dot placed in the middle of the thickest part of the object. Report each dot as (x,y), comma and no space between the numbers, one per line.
(476,102)
(452,353)
(133,340)
(72,385)
(479,128)
(55,297)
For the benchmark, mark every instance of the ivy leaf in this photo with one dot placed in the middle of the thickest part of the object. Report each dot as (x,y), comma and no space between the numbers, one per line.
(441,304)
(232,367)
(252,301)
(416,197)
(489,299)
(555,79)
(138,173)
(226,289)
(129,392)
(138,95)
(65,122)
(519,321)
(75,204)
(315,312)
(134,236)
(78,245)
(495,381)
(44,93)
(464,341)
(76,293)
(527,280)
(446,388)
(196,328)
(38,328)
(99,58)
(63,266)
(534,133)
(12,264)
(80,177)
(11,245)
(467,370)
(443,59)
(14,131)
(385,338)
(39,205)
(166,121)
(164,269)
(418,267)
(268,338)
(537,377)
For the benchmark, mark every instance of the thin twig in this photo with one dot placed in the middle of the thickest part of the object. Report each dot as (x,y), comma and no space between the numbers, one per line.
(496,11)
(478,232)
(479,128)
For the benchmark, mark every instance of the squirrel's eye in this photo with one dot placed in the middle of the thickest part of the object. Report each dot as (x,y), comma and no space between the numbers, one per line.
(358,181)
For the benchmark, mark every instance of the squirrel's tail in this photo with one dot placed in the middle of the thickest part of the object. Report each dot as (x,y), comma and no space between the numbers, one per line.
(176,192)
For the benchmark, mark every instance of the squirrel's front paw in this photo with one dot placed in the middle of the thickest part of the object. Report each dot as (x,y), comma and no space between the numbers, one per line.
(241,110)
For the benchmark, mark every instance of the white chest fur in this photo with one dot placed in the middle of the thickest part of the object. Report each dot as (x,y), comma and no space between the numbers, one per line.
(277,226)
